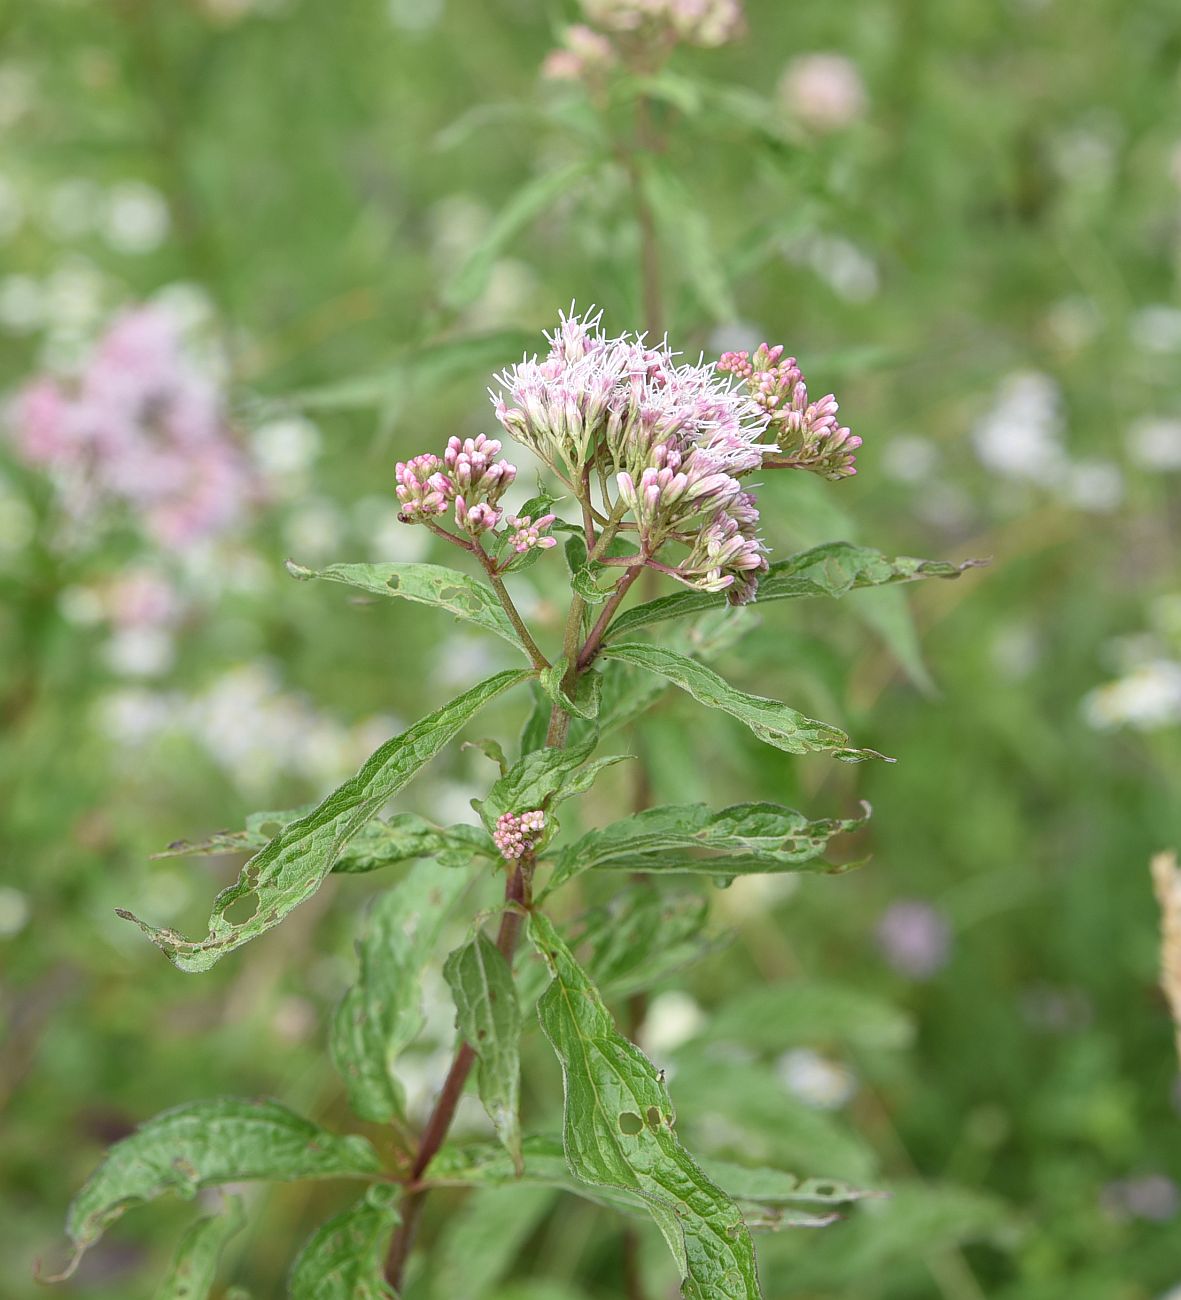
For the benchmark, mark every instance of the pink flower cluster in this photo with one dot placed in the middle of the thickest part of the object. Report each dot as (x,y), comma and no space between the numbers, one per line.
(527,535)
(469,477)
(140,429)
(807,433)
(518,833)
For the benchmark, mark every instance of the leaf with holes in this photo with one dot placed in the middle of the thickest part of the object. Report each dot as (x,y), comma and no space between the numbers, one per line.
(829,570)
(426,584)
(295,862)
(206,1144)
(194,1266)
(749,837)
(382,1013)
(543,779)
(488,1018)
(774,723)
(344,1259)
(618,1132)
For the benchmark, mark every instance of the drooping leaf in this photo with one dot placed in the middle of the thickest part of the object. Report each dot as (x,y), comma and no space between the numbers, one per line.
(382,1013)
(618,1132)
(774,723)
(194,1266)
(544,778)
(400,838)
(529,201)
(344,1259)
(205,1144)
(488,1018)
(295,862)
(833,569)
(810,1012)
(693,838)
(427,584)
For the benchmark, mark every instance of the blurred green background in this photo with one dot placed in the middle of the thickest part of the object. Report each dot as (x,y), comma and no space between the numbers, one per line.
(361,210)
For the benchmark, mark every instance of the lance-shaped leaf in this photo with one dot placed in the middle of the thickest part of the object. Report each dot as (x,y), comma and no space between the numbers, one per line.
(488,1018)
(344,1259)
(774,723)
(829,570)
(194,1266)
(493,1226)
(401,838)
(382,1013)
(295,862)
(205,1144)
(544,778)
(427,584)
(749,837)
(618,1132)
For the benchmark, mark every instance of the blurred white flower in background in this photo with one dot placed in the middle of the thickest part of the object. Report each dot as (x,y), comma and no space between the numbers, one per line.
(816,1080)
(1021,435)
(909,458)
(847,270)
(12,208)
(1016,650)
(824,91)
(313,529)
(136,218)
(1146,699)
(287,448)
(1155,443)
(73,207)
(14,911)
(139,652)
(672,1018)
(1073,322)
(1157,328)
(1096,486)
(1153,1197)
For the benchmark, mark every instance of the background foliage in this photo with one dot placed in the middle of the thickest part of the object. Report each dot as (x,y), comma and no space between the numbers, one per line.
(372,205)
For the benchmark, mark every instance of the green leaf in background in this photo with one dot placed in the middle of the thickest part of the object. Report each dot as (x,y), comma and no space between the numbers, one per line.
(382,1013)
(483,1239)
(205,1144)
(488,1018)
(401,838)
(543,779)
(747,837)
(810,1011)
(529,201)
(293,865)
(770,1199)
(344,1259)
(426,584)
(774,723)
(829,570)
(685,226)
(618,1132)
(194,1266)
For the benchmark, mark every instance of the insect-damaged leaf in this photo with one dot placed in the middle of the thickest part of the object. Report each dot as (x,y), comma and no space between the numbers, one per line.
(829,570)
(488,1018)
(194,1266)
(343,1260)
(427,584)
(294,863)
(382,1013)
(772,722)
(749,837)
(205,1144)
(618,1132)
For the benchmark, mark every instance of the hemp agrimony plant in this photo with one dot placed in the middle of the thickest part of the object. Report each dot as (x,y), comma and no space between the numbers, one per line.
(653,466)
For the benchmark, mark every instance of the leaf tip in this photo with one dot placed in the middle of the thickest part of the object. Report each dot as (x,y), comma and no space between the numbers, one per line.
(63,1274)
(298,571)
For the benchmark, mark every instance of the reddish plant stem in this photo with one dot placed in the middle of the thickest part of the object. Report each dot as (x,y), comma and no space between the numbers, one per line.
(594,639)
(517,899)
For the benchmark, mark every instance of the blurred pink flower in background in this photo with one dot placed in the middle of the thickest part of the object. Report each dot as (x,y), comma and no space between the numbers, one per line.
(823,91)
(915,938)
(139,428)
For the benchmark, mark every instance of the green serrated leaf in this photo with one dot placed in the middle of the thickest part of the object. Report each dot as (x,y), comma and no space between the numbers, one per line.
(774,723)
(488,1018)
(544,779)
(295,862)
(749,837)
(829,570)
(402,838)
(618,1132)
(344,1259)
(205,1144)
(426,584)
(528,202)
(194,1266)
(382,1013)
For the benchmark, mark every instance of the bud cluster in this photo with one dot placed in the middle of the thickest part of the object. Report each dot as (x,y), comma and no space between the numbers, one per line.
(518,833)
(807,433)
(469,479)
